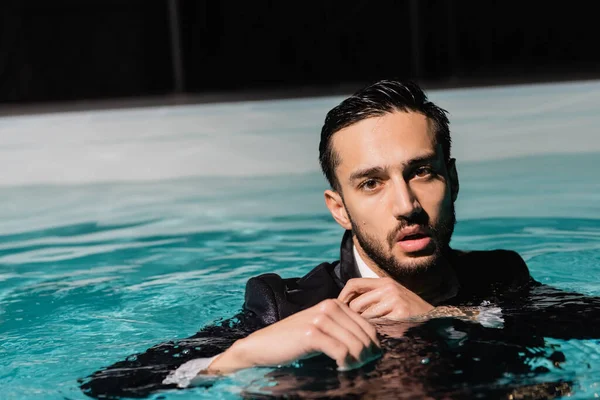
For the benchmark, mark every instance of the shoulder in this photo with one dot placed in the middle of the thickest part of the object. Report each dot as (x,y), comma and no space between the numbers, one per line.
(273,298)
(491,271)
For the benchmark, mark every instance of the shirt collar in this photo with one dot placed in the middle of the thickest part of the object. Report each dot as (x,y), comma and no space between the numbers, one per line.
(363,269)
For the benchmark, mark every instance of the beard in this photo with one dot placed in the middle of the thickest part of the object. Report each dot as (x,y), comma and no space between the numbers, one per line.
(441,233)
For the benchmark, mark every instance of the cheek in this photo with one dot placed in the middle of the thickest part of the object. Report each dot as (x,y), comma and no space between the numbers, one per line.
(435,199)
(371,215)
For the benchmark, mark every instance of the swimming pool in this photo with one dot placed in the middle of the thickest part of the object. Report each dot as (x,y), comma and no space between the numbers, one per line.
(122,229)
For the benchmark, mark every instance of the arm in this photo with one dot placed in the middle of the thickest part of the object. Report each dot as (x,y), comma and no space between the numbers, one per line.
(329,327)
(547,311)
(171,365)
(142,374)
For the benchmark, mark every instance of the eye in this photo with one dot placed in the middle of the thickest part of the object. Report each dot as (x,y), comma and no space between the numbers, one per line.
(423,172)
(369,185)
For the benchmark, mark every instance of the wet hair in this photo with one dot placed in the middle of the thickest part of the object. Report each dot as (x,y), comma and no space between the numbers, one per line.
(377,99)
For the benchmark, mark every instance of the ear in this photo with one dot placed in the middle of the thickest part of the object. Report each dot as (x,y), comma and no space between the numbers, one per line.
(453,175)
(336,207)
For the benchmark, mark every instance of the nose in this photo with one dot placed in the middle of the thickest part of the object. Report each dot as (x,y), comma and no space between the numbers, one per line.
(405,203)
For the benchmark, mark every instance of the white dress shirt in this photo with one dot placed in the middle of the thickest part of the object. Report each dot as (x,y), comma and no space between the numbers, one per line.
(363,269)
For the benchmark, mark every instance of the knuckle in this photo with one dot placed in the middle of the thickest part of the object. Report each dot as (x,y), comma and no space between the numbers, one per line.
(352,282)
(318,320)
(327,306)
(352,305)
(390,287)
(401,312)
(397,299)
(311,331)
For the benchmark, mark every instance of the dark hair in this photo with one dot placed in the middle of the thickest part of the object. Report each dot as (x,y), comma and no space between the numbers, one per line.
(375,100)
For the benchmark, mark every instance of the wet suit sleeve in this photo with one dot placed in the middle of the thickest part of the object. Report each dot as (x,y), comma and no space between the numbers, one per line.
(535,309)
(142,374)
(555,313)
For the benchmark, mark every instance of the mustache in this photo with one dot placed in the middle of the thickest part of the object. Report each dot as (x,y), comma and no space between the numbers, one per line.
(421,219)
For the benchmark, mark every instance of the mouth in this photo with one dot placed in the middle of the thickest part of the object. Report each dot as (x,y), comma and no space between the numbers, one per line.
(412,232)
(413,240)
(414,236)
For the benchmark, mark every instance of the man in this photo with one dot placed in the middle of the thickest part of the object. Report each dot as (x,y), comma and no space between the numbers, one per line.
(386,154)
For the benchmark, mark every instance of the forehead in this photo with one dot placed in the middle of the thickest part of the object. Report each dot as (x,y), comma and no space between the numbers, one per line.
(391,139)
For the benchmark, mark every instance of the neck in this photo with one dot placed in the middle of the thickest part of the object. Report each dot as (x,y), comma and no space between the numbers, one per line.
(435,284)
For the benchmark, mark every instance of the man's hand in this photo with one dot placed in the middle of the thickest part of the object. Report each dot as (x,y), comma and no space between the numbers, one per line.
(382,298)
(330,327)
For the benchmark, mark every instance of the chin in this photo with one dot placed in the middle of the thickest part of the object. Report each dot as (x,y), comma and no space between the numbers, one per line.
(416,263)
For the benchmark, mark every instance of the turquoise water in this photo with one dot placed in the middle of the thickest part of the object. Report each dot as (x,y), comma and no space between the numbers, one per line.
(92,273)
(125,228)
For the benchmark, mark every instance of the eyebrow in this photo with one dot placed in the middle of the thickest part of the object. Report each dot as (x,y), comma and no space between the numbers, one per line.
(378,170)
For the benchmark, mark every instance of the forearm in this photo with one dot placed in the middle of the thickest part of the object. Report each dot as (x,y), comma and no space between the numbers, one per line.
(206,370)
(156,369)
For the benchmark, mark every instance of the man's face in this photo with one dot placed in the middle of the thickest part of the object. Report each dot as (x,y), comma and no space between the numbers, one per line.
(397,193)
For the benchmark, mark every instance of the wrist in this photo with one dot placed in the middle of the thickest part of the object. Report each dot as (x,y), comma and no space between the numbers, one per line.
(231,360)
(429,308)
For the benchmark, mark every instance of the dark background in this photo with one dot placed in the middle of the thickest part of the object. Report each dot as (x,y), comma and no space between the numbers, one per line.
(70,50)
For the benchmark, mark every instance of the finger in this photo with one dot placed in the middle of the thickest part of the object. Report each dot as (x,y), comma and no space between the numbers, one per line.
(341,332)
(377,310)
(335,310)
(366,300)
(357,286)
(331,347)
(365,325)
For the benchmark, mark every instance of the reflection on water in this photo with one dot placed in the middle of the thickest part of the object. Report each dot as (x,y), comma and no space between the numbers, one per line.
(443,358)
(456,358)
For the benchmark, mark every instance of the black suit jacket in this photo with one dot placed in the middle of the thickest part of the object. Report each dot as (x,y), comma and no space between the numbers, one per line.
(499,277)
